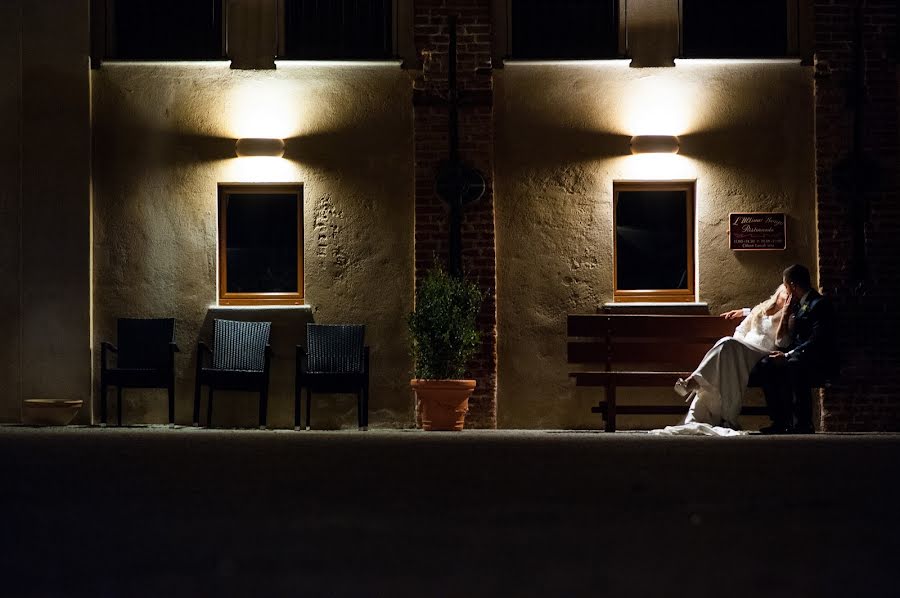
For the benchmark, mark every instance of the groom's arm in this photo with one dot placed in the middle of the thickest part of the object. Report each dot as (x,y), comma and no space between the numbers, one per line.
(820,337)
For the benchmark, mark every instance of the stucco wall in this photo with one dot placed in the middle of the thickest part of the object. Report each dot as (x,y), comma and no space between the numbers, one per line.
(164,137)
(563,130)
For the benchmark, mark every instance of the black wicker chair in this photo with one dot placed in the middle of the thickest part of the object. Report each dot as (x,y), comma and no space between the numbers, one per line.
(145,358)
(240,361)
(335,361)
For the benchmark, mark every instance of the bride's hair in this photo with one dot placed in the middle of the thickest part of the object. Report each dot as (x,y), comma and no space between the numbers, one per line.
(757,313)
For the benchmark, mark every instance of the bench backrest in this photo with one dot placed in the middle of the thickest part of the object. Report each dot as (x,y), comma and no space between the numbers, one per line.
(611,340)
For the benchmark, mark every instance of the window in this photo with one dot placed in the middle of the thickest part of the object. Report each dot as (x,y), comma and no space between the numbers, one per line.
(654,242)
(752,29)
(157,30)
(564,29)
(315,30)
(260,244)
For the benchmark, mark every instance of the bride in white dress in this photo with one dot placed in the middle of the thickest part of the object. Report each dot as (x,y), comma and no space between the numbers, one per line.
(719,381)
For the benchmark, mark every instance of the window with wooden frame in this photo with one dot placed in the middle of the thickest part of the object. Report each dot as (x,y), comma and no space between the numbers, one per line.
(758,29)
(565,29)
(337,29)
(654,241)
(260,244)
(157,30)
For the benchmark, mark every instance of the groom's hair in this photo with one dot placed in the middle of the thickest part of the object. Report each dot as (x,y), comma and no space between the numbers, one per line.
(798,275)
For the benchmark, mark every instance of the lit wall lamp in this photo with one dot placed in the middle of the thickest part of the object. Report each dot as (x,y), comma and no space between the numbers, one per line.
(654,144)
(257,146)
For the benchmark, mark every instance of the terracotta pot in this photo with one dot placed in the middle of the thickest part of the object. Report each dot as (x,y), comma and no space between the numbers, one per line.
(444,402)
(49,412)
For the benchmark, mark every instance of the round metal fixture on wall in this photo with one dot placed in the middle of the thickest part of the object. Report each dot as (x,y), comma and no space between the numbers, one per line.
(654,144)
(257,146)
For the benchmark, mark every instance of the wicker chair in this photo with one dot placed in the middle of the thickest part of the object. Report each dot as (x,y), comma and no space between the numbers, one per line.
(145,358)
(335,361)
(240,361)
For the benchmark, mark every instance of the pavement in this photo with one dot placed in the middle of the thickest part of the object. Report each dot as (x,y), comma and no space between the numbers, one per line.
(186,512)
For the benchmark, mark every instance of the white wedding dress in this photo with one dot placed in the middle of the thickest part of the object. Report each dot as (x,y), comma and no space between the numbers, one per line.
(725,369)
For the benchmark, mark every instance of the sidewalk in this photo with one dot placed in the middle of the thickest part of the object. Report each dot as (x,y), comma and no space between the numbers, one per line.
(194,512)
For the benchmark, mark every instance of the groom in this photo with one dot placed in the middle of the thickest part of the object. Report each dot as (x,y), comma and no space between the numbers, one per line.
(788,375)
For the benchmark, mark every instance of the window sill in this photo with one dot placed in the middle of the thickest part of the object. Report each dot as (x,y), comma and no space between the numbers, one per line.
(648,307)
(338,62)
(304,307)
(711,60)
(620,62)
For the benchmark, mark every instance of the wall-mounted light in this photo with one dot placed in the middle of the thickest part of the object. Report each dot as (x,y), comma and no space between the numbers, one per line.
(257,146)
(654,144)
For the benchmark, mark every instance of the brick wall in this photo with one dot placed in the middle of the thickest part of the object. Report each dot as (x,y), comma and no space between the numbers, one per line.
(476,148)
(858,207)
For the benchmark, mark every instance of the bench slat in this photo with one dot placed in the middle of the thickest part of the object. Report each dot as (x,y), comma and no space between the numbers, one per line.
(669,327)
(677,354)
(655,379)
(650,326)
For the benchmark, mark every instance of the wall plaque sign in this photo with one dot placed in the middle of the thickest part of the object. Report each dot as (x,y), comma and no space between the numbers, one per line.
(750,231)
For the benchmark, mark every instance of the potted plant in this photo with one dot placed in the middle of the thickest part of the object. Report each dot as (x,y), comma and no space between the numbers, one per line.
(444,338)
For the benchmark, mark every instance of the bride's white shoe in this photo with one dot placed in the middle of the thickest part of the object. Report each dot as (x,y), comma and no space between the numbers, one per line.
(684,387)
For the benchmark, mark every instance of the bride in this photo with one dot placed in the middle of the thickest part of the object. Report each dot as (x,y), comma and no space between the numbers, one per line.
(718,383)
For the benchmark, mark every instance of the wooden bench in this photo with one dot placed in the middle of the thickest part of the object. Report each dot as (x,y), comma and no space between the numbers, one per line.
(613,350)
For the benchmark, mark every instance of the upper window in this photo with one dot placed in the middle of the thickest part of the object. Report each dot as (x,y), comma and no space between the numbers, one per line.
(564,29)
(654,242)
(260,244)
(336,29)
(752,29)
(158,30)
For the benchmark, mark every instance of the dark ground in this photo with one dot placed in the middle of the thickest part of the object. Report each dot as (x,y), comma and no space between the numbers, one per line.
(158,512)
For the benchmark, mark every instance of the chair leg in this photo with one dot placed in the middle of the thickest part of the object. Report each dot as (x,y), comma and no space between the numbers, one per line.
(359,410)
(308,403)
(171,406)
(197,403)
(104,390)
(263,408)
(297,418)
(209,408)
(365,407)
(119,406)
(610,409)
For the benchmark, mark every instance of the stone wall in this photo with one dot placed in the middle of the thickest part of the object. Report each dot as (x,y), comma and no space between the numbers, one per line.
(476,134)
(857,138)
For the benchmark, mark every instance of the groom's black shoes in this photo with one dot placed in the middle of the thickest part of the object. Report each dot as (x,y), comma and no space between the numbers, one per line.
(775,429)
(780,429)
(802,429)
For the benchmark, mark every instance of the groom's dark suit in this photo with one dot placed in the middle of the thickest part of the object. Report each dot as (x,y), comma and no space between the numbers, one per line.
(810,360)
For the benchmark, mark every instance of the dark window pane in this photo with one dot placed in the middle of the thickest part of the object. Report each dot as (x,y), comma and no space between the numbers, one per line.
(315,29)
(262,243)
(651,240)
(749,29)
(565,29)
(166,29)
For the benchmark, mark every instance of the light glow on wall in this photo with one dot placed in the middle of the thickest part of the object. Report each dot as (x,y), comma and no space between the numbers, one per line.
(259,170)
(658,105)
(655,167)
(260,108)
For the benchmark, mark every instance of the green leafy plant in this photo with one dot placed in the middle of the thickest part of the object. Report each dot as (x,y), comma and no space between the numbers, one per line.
(443,326)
